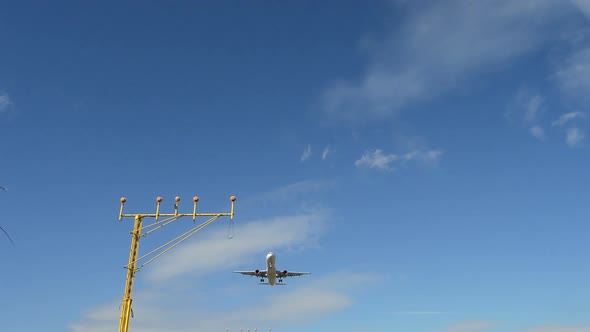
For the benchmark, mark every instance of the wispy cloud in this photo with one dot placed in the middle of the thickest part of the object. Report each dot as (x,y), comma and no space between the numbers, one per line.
(574,75)
(567,117)
(532,108)
(527,107)
(558,328)
(574,136)
(293,306)
(325,152)
(158,312)
(438,45)
(376,159)
(424,156)
(306,153)
(250,238)
(418,312)
(537,132)
(5,102)
(293,192)
(583,5)
(471,326)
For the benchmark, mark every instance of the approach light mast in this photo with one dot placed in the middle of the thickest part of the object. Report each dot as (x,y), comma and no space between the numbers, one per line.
(139,231)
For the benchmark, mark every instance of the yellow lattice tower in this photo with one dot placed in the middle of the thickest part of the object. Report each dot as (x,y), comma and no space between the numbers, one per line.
(138,232)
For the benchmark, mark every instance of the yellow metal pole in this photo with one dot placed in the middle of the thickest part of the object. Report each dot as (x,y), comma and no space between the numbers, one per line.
(134,250)
(127,297)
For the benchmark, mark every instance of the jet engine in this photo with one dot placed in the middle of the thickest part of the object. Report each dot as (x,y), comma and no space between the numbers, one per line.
(257,272)
(285,273)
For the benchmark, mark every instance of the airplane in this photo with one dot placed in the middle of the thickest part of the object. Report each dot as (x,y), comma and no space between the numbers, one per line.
(271,272)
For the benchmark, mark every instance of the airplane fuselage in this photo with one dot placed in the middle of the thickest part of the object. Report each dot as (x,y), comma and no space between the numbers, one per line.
(271,274)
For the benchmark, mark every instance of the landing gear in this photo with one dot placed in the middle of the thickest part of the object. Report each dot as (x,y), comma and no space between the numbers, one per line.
(262,280)
(280,280)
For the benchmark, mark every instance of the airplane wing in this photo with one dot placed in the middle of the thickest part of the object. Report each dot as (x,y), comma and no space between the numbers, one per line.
(261,273)
(291,274)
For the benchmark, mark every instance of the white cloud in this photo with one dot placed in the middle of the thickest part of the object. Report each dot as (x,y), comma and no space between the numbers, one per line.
(527,107)
(306,153)
(427,156)
(417,312)
(537,132)
(574,136)
(565,118)
(291,192)
(471,326)
(293,306)
(558,328)
(378,160)
(574,74)
(532,108)
(250,238)
(325,152)
(4,102)
(438,45)
(583,6)
(182,312)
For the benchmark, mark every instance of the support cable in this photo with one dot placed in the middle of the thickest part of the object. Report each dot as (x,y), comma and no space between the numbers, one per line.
(191,233)
(230,229)
(164,222)
(179,239)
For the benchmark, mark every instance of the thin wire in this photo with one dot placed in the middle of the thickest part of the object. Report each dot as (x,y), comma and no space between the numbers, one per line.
(8,236)
(188,234)
(173,219)
(176,238)
(230,229)
(193,232)
(161,221)
(162,246)
(158,222)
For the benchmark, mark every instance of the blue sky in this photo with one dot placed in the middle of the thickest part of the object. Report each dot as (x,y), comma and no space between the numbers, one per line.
(427,162)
